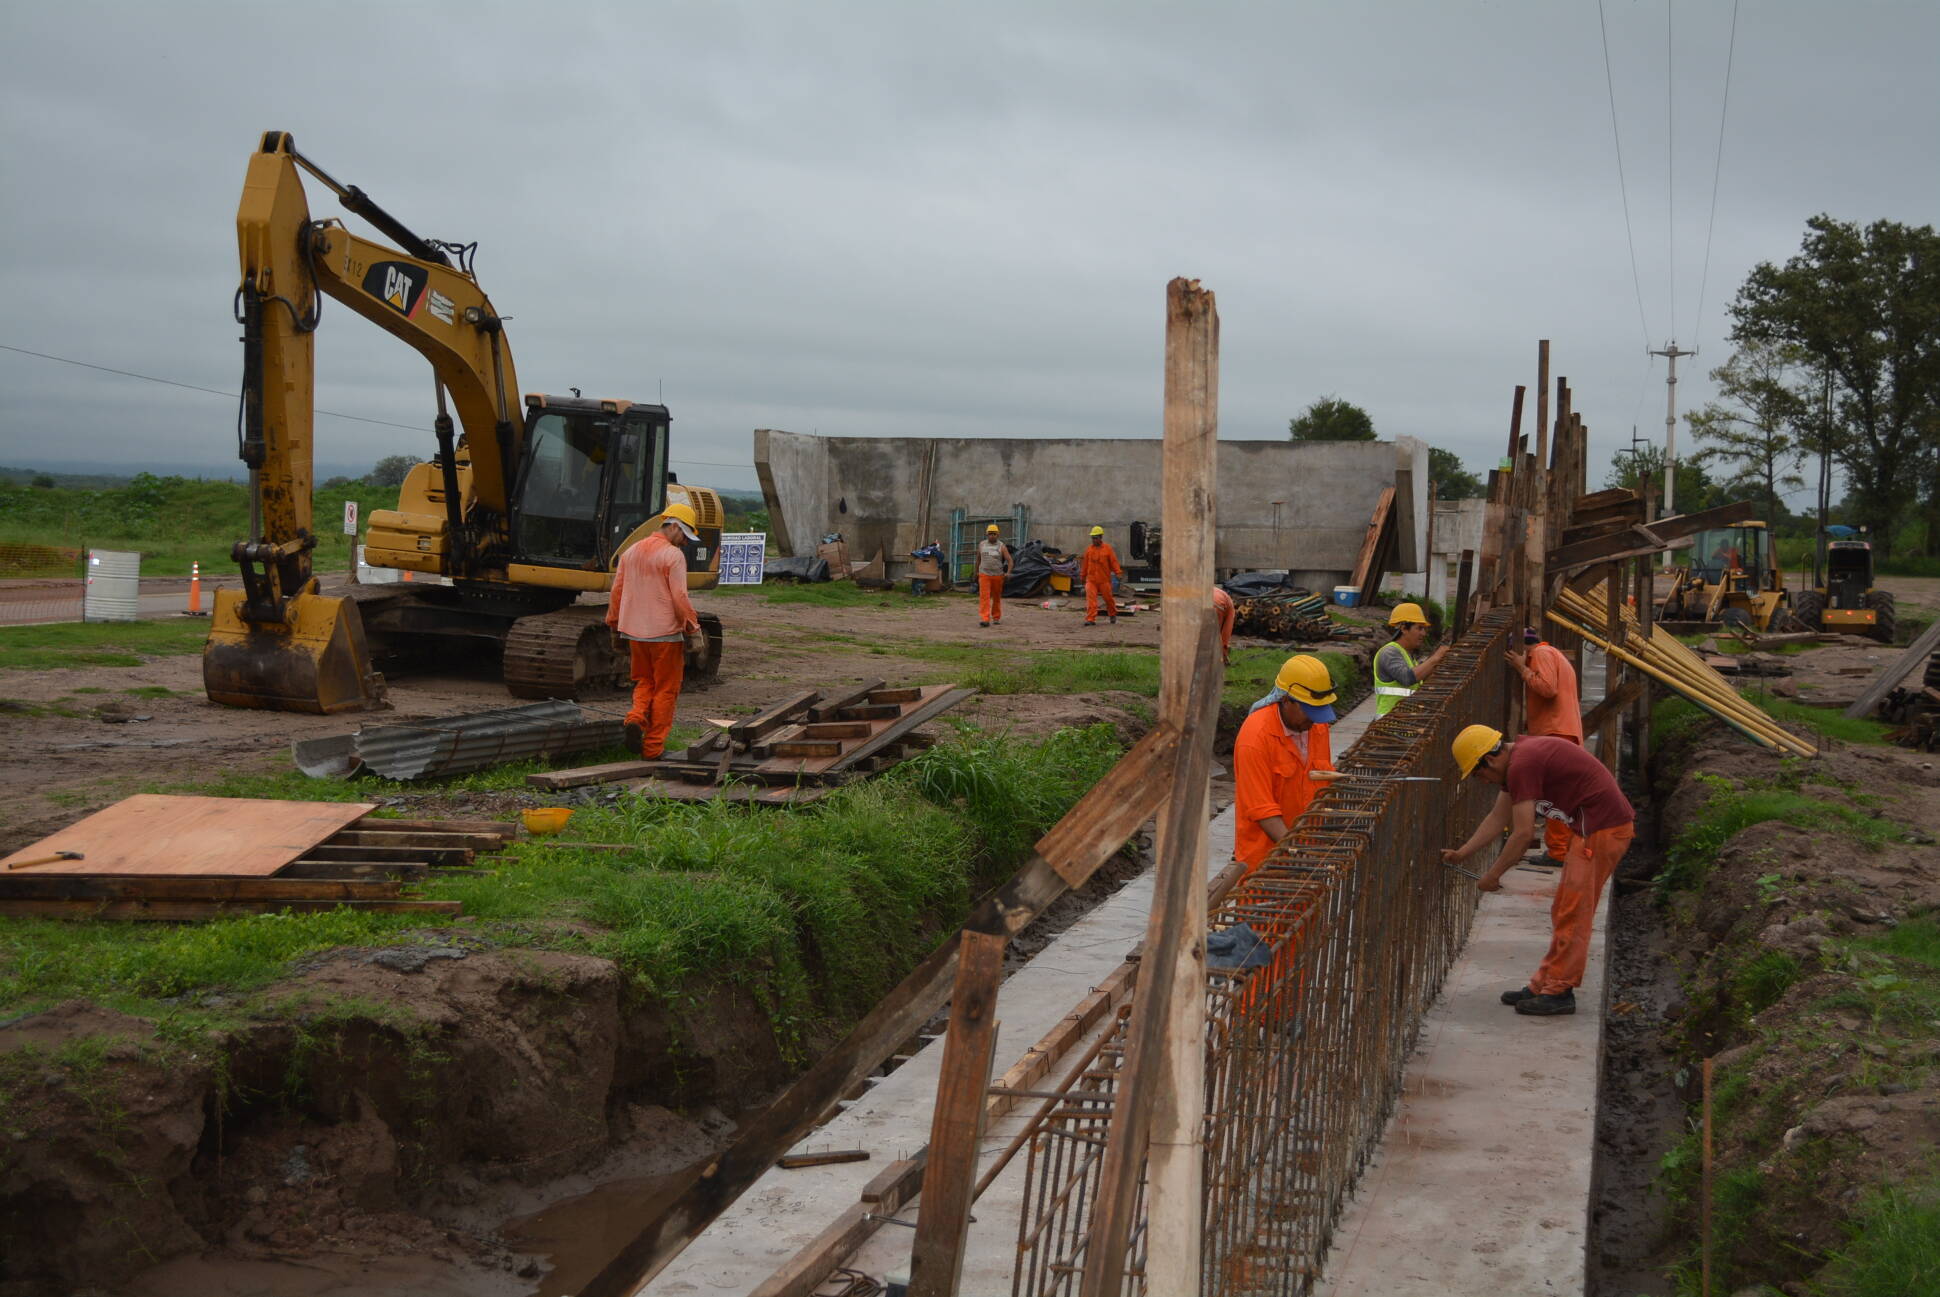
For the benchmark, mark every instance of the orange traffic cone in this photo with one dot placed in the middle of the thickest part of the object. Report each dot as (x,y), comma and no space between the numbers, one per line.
(407,574)
(195,589)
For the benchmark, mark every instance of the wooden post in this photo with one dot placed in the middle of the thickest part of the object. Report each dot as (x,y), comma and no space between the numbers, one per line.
(956,1127)
(1542,402)
(1463,576)
(1640,715)
(1161,1094)
(1607,737)
(1428,551)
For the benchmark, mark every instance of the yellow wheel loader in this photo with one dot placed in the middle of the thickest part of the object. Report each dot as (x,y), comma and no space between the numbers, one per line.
(1733,579)
(525,507)
(1849,601)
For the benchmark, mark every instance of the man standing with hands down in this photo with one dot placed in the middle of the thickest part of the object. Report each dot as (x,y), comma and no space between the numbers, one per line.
(1550,778)
(1098,564)
(650,609)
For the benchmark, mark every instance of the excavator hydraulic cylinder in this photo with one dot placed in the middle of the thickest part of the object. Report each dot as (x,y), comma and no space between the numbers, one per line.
(317,661)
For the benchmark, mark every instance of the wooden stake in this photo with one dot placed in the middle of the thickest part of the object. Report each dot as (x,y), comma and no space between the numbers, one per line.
(1161,1095)
(1705,1282)
(1606,739)
(956,1128)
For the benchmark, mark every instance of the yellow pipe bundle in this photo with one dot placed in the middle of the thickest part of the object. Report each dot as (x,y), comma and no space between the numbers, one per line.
(1667,660)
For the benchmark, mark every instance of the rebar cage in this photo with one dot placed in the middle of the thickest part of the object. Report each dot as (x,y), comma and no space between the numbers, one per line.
(1304,1056)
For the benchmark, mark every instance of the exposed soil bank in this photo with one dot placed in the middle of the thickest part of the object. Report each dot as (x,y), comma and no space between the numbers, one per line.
(1790,940)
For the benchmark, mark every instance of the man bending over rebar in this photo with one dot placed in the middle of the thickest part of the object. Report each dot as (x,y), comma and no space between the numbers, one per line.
(1554,779)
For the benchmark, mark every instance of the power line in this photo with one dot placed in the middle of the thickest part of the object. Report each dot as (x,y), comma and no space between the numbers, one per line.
(335,414)
(1717,169)
(1623,186)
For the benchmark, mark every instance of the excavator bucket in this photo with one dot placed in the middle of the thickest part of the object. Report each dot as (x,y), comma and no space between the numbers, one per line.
(319,662)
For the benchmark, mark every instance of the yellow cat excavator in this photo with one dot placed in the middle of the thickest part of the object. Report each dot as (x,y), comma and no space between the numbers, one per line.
(525,510)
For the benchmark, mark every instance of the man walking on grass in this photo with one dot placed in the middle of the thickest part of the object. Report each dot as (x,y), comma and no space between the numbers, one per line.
(651,611)
(1553,779)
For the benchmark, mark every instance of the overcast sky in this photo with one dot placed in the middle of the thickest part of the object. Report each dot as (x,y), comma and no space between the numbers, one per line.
(908,218)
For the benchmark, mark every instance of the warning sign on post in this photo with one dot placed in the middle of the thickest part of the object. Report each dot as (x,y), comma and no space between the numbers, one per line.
(743,557)
(350,517)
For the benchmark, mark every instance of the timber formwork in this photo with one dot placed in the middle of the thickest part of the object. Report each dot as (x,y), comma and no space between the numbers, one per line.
(1304,1056)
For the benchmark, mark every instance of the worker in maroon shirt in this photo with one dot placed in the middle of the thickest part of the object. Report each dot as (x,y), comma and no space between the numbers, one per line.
(1553,779)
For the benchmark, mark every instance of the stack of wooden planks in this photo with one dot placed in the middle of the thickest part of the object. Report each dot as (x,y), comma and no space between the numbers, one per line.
(794,751)
(157,857)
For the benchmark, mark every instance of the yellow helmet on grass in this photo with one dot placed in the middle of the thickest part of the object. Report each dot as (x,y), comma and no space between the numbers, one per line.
(1472,744)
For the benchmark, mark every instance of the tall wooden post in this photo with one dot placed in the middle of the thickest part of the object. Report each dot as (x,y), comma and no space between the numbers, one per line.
(1161,1094)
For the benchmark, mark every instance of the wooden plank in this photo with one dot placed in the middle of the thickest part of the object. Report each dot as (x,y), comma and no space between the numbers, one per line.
(885,1195)
(1377,524)
(351,869)
(832,704)
(38,885)
(1102,818)
(176,911)
(773,717)
(837,730)
(912,694)
(871,712)
(896,1017)
(402,855)
(934,702)
(1594,719)
(152,834)
(834,1157)
(1678,527)
(806,748)
(495,828)
(553,780)
(1464,579)
(1895,671)
(956,1128)
(356,837)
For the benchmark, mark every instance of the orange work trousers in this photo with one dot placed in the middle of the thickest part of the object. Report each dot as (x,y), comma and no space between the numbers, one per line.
(990,597)
(658,669)
(1556,839)
(1094,591)
(1586,871)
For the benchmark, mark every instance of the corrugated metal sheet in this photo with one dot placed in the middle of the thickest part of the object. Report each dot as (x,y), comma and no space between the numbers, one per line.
(114,586)
(457,744)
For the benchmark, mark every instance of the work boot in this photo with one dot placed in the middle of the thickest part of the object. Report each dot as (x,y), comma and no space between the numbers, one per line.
(1517,996)
(635,736)
(1114,619)
(983,623)
(1548,1006)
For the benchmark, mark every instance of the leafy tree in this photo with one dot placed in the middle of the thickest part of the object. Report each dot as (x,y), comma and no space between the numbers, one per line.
(1643,470)
(1863,306)
(389,471)
(1332,419)
(43,482)
(1452,481)
(1759,433)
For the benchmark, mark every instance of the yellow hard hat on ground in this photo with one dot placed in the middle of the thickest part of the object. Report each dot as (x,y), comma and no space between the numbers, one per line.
(1474,743)
(1407,612)
(991,530)
(1097,531)
(684,515)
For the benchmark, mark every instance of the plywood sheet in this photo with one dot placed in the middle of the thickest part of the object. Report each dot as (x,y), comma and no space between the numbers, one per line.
(152,834)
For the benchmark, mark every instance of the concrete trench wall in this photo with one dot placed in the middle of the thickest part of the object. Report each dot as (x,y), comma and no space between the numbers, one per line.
(1302,506)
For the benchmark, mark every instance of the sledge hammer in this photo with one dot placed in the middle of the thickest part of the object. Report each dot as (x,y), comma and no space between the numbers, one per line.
(48,860)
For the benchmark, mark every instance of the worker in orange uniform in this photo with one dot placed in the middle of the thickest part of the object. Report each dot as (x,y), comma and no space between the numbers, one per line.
(1098,564)
(1555,779)
(1550,709)
(650,609)
(1223,609)
(993,568)
(1281,757)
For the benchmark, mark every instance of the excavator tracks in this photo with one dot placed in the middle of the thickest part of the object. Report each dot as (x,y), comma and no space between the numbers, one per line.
(570,654)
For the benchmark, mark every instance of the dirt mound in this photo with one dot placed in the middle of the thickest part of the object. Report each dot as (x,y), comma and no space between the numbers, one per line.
(371,1097)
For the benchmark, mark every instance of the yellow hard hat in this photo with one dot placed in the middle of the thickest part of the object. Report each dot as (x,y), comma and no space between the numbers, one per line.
(1474,743)
(992,529)
(684,515)
(1097,531)
(1306,680)
(1407,612)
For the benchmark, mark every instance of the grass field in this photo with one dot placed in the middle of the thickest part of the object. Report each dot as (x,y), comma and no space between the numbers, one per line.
(98,644)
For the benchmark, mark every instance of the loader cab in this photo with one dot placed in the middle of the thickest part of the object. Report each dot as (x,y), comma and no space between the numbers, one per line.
(590,472)
(1739,558)
(1848,573)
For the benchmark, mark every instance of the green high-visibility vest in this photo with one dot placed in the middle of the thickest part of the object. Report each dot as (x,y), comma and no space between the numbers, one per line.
(1386,692)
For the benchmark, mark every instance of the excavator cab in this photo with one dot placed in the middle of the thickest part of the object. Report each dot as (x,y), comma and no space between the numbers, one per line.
(1733,578)
(593,473)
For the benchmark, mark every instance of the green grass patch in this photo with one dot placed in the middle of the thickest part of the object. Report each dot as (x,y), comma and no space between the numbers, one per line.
(1071,673)
(98,644)
(1821,720)
(1729,811)
(1895,1246)
(1758,983)
(833,594)
(818,910)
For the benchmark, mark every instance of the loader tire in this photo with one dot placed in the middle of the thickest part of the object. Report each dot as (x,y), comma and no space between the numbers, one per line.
(1886,620)
(1808,607)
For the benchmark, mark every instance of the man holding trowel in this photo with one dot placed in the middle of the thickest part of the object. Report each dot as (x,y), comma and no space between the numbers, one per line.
(1550,778)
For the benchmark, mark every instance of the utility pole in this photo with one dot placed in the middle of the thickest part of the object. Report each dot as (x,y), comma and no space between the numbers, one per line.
(1670,351)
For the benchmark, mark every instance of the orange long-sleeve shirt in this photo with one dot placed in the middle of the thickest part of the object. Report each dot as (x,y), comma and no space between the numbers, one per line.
(1549,696)
(1098,564)
(1271,777)
(650,592)
(1223,606)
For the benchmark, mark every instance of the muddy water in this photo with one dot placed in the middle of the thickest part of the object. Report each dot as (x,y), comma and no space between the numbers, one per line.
(577,1236)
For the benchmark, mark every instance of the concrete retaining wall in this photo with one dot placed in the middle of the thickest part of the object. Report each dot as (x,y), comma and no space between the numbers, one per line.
(1303,506)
